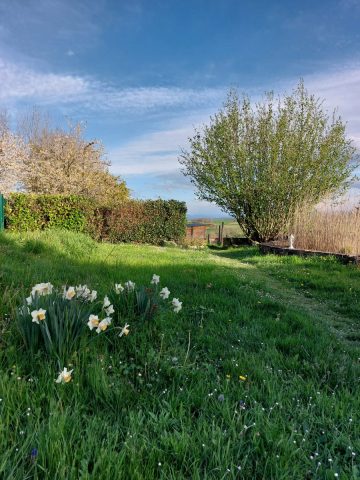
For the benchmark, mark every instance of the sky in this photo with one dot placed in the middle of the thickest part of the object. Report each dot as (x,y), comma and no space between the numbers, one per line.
(143,74)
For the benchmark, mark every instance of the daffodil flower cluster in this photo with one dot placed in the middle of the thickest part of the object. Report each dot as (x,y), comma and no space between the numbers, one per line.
(82,292)
(39,290)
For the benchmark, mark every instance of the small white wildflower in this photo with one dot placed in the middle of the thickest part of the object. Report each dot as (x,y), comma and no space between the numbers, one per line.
(164,293)
(69,293)
(155,279)
(125,330)
(29,300)
(93,321)
(106,302)
(119,288)
(64,376)
(103,324)
(176,304)
(38,315)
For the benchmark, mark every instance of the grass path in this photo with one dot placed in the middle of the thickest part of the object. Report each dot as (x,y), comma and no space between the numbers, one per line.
(321,310)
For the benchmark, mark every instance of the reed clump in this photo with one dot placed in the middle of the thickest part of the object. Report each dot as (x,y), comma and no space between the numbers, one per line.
(330,230)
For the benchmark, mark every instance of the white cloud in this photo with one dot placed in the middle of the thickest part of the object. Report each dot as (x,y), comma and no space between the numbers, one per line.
(156,152)
(23,83)
(19,83)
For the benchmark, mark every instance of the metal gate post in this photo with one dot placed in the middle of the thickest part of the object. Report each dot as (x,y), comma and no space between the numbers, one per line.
(2,212)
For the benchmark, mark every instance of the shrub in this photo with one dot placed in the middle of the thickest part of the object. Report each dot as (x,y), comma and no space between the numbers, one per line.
(37,212)
(150,221)
(141,221)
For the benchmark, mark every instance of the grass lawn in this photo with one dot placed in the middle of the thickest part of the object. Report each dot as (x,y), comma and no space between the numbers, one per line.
(167,401)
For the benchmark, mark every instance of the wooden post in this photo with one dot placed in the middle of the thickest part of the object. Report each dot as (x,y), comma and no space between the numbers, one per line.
(222,233)
(208,238)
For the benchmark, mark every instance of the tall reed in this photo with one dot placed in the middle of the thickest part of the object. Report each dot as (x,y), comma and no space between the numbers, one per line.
(328,230)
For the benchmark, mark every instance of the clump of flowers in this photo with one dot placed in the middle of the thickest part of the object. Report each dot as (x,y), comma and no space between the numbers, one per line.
(142,302)
(59,322)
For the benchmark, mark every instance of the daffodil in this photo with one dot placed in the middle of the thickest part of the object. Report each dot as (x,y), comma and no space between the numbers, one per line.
(155,279)
(129,285)
(106,302)
(109,310)
(64,376)
(103,324)
(82,291)
(29,300)
(69,293)
(119,288)
(42,289)
(92,296)
(242,378)
(176,304)
(125,330)
(165,292)
(38,315)
(93,321)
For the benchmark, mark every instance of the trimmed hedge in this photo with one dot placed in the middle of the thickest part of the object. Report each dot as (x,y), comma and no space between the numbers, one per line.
(35,212)
(147,221)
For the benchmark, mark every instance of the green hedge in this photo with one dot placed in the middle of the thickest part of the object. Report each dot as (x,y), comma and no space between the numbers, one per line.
(36,212)
(148,221)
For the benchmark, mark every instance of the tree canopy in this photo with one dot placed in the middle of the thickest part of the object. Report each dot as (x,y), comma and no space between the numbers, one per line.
(260,162)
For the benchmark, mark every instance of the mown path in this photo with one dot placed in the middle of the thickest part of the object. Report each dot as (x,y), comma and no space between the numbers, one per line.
(342,326)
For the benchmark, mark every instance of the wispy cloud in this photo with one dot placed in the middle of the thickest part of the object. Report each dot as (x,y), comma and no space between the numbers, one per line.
(22,83)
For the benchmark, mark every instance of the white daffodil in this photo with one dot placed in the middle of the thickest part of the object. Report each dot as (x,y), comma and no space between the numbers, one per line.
(92,296)
(42,289)
(69,293)
(106,302)
(119,288)
(155,279)
(176,304)
(64,376)
(109,310)
(82,291)
(29,300)
(125,330)
(93,321)
(38,315)
(103,324)
(165,292)
(129,285)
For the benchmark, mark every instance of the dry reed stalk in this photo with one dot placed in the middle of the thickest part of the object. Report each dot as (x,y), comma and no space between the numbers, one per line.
(331,230)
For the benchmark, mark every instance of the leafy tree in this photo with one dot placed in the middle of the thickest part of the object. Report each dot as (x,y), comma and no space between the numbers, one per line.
(260,162)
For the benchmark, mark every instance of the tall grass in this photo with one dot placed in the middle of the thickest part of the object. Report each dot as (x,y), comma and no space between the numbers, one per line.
(331,230)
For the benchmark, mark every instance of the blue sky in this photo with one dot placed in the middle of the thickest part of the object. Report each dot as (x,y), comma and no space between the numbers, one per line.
(142,74)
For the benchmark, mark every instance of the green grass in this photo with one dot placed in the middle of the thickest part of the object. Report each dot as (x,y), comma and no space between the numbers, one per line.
(231,227)
(166,402)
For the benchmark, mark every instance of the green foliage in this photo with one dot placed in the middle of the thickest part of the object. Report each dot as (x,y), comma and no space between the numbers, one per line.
(261,162)
(37,212)
(149,221)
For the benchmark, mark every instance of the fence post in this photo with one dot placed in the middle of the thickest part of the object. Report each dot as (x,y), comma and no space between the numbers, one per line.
(2,212)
